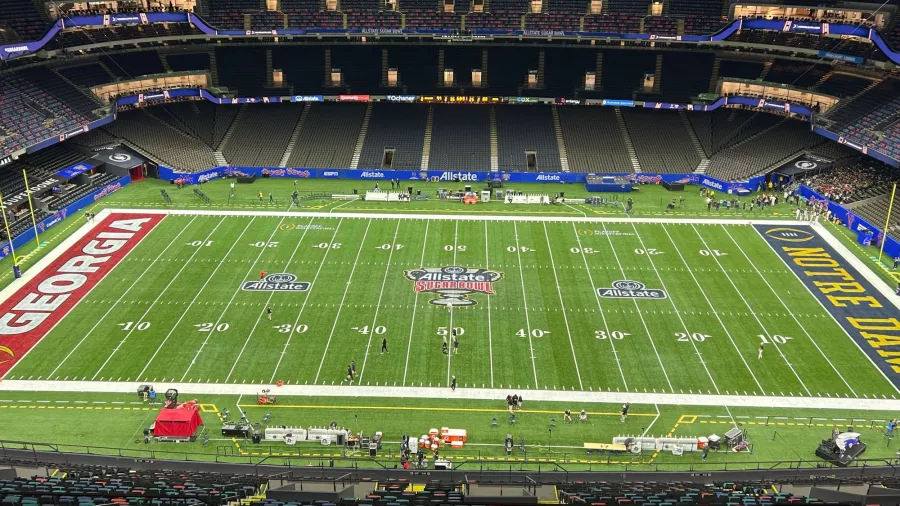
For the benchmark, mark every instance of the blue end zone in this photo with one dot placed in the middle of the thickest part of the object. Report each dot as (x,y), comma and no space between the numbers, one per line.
(867,316)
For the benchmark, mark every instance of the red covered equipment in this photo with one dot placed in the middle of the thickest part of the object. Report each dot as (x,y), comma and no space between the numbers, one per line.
(178,422)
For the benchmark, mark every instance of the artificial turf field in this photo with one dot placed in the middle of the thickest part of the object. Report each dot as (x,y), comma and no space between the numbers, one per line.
(174,310)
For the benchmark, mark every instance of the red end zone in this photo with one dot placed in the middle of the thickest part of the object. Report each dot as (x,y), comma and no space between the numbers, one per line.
(30,313)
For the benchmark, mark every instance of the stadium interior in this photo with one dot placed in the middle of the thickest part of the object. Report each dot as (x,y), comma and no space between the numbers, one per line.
(578,88)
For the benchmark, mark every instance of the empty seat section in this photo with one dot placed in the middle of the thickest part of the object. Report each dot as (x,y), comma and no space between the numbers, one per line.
(400,127)
(460,138)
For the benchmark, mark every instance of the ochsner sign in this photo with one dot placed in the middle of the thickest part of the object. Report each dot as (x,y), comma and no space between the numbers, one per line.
(401,98)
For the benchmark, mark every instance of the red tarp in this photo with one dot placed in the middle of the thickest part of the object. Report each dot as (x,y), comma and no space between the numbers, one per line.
(178,422)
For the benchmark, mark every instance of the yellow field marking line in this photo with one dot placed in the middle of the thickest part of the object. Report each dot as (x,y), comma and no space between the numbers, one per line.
(413,408)
(783,424)
(96,408)
(683,419)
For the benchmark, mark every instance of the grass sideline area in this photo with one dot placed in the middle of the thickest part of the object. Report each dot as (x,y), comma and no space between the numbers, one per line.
(780,438)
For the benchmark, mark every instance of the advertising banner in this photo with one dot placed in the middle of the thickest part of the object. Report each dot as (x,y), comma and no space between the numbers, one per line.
(73,171)
(73,208)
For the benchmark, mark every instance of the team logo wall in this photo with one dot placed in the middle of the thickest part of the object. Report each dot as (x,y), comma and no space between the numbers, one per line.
(805,164)
(120,157)
(282,282)
(625,289)
(454,284)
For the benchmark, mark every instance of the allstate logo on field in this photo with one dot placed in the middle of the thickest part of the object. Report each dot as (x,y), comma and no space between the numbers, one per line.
(626,289)
(282,282)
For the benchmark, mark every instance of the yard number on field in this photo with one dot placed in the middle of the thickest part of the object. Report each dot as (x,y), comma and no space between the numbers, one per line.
(388,246)
(265,244)
(648,251)
(286,328)
(458,247)
(381,329)
(697,337)
(327,245)
(712,252)
(515,249)
(200,243)
(586,251)
(209,326)
(534,333)
(131,326)
(615,334)
(777,339)
(445,331)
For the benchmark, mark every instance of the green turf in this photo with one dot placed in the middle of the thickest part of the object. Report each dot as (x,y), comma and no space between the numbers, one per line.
(779,438)
(173,311)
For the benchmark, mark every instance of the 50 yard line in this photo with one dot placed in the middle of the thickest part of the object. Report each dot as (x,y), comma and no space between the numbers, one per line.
(153,304)
(450,329)
(487,265)
(563,306)
(127,291)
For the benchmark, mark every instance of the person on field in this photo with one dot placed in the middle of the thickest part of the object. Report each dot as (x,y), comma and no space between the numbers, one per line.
(453,384)
(567,416)
(624,413)
(269,312)
(262,274)
(260,196)
(455,346)
(759,355)
(384,345)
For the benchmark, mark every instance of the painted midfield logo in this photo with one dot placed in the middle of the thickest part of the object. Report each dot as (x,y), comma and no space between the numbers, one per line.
(454,284)
(625,289)
(283,282)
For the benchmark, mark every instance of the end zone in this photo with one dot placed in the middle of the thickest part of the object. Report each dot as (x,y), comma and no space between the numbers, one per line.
(31,308)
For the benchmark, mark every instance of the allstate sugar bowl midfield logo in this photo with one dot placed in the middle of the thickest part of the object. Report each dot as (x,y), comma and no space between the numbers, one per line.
(454,284)
(282,282)
(625,289)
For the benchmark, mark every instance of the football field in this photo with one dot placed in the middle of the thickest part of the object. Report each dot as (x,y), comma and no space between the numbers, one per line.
(534,304)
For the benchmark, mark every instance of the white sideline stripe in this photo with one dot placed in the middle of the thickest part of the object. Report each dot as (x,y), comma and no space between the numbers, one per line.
(790,312)
(442,393)
(454,217)
(487,265)
(861,268)
(715,312)
(116,303)
(42,264)
(312,285)
(450,328)
(197,296)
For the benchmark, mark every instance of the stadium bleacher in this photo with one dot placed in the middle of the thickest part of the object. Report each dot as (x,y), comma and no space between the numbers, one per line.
(593,140)
(397,126)
(260,134)
(745,159)
(526,128)
(460,137)
(650,130)
(328,136)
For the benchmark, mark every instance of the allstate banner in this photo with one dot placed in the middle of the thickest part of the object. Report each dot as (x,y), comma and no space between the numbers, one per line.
(60,215)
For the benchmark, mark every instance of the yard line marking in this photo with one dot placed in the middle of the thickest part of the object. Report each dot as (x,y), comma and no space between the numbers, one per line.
(108,311)
(791,313)
(309,292)
(415,306)
(378,304)
(233,295)
(716,313)
(269,299)
(487,265)
(158,297)
(450,348)
(603,314)
(344,297)
(674,307)
(563,306)
(753,313)
(525,303)
(341,205)
(656,407)
(191,303)
(640,314)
